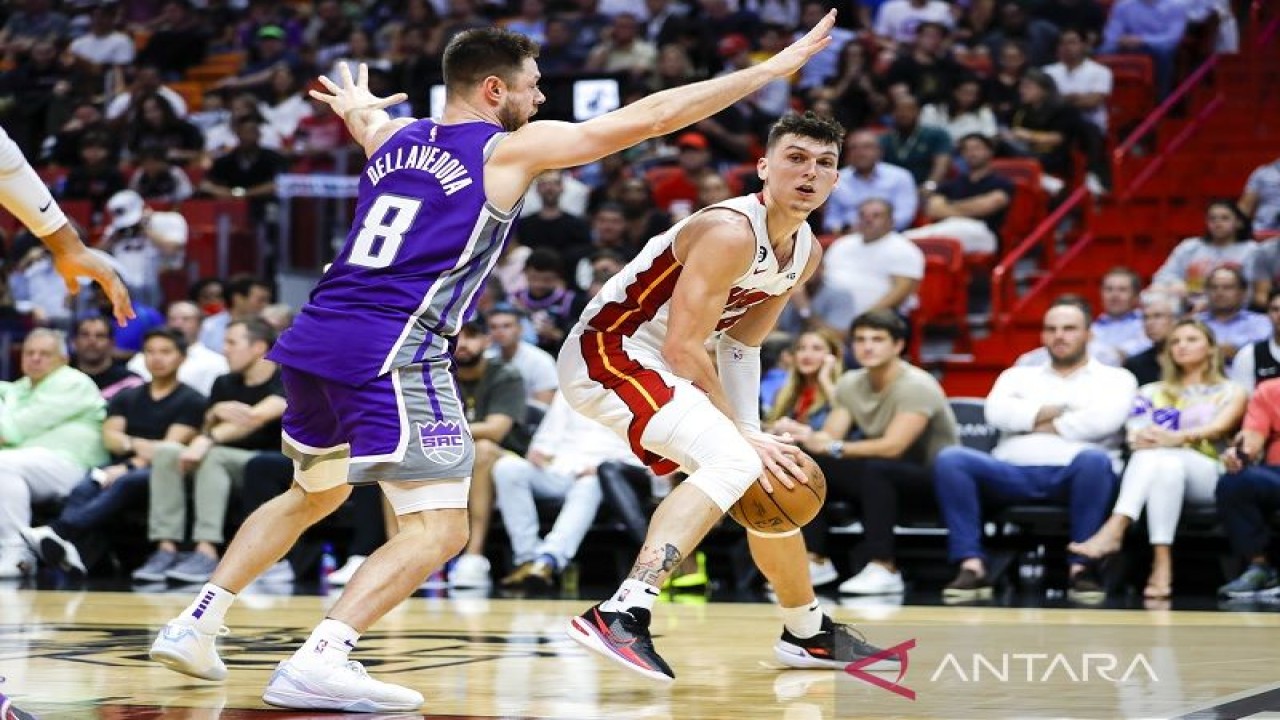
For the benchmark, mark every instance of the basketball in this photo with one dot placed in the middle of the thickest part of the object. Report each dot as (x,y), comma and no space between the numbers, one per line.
(783,510)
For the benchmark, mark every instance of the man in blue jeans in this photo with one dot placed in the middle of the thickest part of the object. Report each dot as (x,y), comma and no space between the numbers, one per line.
(1060,426)
(1249,494)
(137,420)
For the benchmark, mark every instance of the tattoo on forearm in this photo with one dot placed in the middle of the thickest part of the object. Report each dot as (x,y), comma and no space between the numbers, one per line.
(656,562)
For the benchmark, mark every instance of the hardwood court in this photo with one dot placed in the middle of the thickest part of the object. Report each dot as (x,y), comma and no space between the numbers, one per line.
(82,655)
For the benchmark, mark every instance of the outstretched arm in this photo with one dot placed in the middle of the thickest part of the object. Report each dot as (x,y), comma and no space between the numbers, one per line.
(24,194)
(547,145)
(364,113)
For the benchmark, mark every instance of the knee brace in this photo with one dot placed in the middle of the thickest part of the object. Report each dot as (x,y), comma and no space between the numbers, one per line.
(727,464)
(414,496)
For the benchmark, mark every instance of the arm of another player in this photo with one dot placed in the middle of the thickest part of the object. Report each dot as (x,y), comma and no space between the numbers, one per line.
(547,145)
(24,194)
(364,113)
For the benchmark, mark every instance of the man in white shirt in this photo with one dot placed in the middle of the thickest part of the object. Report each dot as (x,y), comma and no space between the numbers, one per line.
(561,464)
(537,367)
(201,366)
(864,178)
(1119,327)
(1061,430)
(103,45)
(898,20)
(879,267)
(1083,83)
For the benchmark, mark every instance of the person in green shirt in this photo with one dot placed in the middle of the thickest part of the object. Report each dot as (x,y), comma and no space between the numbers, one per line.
(50,435)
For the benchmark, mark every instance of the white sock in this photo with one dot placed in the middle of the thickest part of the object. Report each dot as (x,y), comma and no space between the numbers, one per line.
(329,643)
(804,621)
(208,612)
(632,594)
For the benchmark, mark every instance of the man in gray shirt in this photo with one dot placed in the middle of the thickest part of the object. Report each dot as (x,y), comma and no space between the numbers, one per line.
(905,421)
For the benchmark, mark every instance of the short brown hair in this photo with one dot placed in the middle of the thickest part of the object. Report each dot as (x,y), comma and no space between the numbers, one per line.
(808,125)
(882,319)
(474,55)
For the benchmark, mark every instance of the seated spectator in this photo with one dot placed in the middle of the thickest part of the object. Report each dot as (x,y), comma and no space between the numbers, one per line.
(1043,127)
(971,207)
(1082,83)
(551,226)
(1248,495)
(243,420)
(867,177)
(200,365)
(153,124)
(1160,311)
(145,83)
(926,71)
(1001,89)
(1259,362)
(818,305)
(1088,16)
(852,93)
(495,400)
(1261,199)
(678,192)
(320,139)
(248,172)
(1060,431)
(97,177)
(1226,243)
(877,266)
(50,434)
(1177,431)
(898,21)
(536,366)
(247,297)
(821,68)
(34,21)
(156,178)
(622,49)
(644,219)
(1147,27)
(1120,326)
(267,52)
(1233,325)
(138,420)
(224,136)
(562,463)
(551,304)
(93,353)
(904,421)
(805,397)
(103,46)
(962,113)
(287,102)
(1035,35)
(178,40)
(923,150)
(38,289)
(144,242)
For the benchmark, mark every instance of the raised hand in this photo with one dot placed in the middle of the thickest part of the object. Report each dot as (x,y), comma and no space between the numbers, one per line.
(353,93)
(795,55)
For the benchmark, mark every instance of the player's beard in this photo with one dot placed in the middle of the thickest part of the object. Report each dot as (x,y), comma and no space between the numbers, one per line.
(510,118)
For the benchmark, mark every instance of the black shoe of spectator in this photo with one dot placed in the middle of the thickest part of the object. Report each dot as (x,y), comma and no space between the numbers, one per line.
(968,585)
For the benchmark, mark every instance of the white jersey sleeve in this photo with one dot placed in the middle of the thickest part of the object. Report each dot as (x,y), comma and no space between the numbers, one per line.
(24,194)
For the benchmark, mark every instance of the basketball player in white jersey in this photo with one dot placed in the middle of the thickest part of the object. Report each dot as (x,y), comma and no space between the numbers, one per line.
(25,195)
(638,363)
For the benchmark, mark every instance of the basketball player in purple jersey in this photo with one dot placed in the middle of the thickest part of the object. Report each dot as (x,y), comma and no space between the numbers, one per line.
(367,366)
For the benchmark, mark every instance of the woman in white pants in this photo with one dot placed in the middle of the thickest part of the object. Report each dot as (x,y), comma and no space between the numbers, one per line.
(1178,428)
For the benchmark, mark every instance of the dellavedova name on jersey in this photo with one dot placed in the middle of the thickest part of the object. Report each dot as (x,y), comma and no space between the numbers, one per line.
(440,164)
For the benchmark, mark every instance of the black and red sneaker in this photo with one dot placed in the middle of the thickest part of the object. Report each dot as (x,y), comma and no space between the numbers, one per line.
(835,646)
(623,637)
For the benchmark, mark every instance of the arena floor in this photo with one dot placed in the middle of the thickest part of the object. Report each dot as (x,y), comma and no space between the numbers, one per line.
(83,655)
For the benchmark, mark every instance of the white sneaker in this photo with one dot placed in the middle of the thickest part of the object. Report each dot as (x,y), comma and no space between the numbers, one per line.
(345,687)
(874,579)
(16,562)
(182,648)
(342,575)
(822,572)
(470,571)
(52,548)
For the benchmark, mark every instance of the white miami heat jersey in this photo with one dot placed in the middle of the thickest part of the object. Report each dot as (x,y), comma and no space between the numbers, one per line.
(636,301)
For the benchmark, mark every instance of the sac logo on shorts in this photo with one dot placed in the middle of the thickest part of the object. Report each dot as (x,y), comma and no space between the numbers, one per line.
(442,442)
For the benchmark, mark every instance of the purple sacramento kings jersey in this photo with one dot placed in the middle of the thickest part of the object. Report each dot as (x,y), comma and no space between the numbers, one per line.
(423,241)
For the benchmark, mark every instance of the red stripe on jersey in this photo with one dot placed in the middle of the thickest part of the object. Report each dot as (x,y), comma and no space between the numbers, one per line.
(651,288)
(642,390)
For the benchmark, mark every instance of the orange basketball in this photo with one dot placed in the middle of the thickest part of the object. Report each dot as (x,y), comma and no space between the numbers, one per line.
(782,510)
